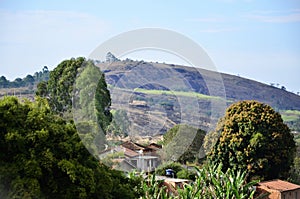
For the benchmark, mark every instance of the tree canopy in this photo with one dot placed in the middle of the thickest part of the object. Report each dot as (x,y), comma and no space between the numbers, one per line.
(42,156)
(182,143)
(254,137)
(60,84)
(27,81)
(120,124)
(78,80)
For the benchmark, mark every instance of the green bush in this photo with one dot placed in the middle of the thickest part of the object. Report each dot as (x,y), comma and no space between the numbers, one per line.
(161,169)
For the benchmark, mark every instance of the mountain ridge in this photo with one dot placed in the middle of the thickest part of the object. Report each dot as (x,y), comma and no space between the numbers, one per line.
(156,95)
(236,87)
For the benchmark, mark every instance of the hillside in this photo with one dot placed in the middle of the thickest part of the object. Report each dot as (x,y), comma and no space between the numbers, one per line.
(156,96)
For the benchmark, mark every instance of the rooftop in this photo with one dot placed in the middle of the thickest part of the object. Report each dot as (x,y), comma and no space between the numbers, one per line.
(279,185)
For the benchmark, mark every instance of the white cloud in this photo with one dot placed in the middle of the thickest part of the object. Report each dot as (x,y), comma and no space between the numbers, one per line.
(276,16)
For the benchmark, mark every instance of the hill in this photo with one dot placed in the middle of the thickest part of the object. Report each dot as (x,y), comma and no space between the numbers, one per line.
(156,96)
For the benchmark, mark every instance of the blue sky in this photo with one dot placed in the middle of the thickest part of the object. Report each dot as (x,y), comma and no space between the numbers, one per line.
(257,39)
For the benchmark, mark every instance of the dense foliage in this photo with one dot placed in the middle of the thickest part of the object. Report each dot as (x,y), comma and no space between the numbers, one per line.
(254,137)
(91,96)
(211,182)
(179,170)
(182,143)
(120,124)
(175,166)
(60,84)
(28,81)
(43,157)
(81,81)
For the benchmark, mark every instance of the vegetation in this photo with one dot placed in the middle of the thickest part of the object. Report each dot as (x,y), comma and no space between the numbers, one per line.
(91,96)
(295,170)
(60,84)
(211,182)
(43,157)
(292,119)
(253,137)
(182,143)
(120,124)
(90,90)
(177,93)
(27,81)
(175,166)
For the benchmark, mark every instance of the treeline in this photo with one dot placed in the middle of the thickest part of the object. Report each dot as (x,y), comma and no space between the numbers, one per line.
(27,81)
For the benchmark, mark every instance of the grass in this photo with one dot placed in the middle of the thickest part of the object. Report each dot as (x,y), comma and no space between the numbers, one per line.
(290,115)
(164,92)
(177,93)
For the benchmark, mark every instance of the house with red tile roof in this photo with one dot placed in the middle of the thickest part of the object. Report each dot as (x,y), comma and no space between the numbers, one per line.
(279,189)
(129,155)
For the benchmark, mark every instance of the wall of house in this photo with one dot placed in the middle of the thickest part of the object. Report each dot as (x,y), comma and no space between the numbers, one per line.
(291,194)
(273,193)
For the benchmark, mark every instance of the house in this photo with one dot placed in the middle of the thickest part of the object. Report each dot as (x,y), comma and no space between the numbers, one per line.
(130,155)
(279,189)
(133,146)
(138,104)
(123,164)
(146,163)
(150,149)
(154,146)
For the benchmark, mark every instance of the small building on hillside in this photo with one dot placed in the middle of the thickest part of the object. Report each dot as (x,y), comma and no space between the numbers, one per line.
(146,163)
(130,155)
(279,189)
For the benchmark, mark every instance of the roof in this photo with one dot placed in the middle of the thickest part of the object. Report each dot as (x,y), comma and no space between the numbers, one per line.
(130,153)
(145,157)
(154,146)
(168,179)
(132,146)
(138,103)
(279,185)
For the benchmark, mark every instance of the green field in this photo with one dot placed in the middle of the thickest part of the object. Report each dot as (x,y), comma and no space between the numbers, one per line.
(290,115)
(177,93)
(165,92)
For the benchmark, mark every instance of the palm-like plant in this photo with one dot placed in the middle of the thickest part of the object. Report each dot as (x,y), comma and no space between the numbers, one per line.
(211,182)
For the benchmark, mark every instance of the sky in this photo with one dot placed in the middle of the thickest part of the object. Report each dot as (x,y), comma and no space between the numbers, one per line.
(256,39)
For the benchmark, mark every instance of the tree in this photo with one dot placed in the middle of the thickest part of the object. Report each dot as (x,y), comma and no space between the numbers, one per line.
(4,83)
(91,95)
(91,106)
(42,90)
(60,84)
(28,80)
(43,157)
(120,124)
(41,75)
(175,166)
(254,137)
(102,102)
(182,143)
(18,82)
